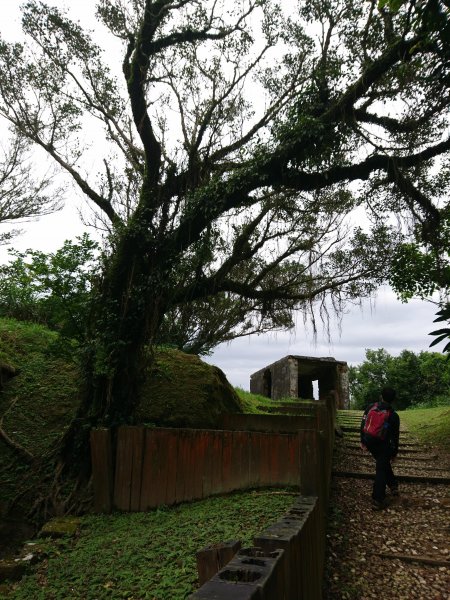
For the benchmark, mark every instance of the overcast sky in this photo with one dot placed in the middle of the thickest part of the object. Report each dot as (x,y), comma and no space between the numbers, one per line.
(385,322)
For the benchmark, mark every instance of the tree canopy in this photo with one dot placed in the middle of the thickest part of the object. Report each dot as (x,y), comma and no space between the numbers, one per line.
(52,289)
(229,144)
(421,379)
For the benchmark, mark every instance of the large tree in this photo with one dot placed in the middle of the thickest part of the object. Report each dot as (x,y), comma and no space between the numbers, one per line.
(235,142)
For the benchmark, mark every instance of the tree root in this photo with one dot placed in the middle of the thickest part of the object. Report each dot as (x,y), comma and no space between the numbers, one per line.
(17,448)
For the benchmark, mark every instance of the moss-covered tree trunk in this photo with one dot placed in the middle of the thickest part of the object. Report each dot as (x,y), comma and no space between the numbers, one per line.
(126,315)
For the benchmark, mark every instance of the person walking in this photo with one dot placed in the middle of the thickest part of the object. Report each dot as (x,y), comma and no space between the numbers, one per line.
(380,431)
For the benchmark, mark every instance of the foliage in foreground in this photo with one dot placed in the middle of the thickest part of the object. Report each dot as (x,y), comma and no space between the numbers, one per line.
(149,555)
(420,380)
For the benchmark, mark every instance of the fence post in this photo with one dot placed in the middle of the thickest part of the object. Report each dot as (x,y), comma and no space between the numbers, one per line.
(213,558)
(310,463)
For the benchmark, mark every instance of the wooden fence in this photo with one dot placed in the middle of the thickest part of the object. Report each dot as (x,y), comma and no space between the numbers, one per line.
(154,467)
(162,466)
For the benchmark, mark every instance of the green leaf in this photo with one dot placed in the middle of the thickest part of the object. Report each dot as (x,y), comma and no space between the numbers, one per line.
(439,339)
(440,332)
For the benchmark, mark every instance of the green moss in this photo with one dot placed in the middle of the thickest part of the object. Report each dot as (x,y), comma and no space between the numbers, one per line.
(60,527)
(40,401)
(38,404)
(183,391)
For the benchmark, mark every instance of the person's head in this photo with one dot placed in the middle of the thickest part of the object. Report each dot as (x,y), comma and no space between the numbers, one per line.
(388,394)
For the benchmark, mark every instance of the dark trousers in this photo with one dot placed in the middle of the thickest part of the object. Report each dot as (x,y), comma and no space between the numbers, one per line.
(384,475)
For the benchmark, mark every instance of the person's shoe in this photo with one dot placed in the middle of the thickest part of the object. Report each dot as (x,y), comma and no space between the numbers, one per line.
(379,504)
(394,491)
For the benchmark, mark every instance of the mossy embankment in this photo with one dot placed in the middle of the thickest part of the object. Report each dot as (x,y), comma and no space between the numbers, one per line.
(38,403)
(181,390)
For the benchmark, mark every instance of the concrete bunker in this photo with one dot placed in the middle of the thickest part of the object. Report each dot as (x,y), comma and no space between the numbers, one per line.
(295,377)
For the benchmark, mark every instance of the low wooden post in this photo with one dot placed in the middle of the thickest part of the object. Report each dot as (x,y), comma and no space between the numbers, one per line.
(213,558)
(102,469)
(310,463)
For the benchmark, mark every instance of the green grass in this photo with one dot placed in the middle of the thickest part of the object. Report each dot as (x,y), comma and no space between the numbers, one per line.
(148,555)
(257,404)
(430,425)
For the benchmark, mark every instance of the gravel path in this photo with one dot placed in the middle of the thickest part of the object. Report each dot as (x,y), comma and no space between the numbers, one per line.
(402,552)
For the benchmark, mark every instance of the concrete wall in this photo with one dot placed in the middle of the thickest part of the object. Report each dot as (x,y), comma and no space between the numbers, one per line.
(292,377)
(283,377)
(285,563)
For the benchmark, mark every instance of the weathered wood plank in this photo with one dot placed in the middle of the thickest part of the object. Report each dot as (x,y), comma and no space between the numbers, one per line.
(102,469)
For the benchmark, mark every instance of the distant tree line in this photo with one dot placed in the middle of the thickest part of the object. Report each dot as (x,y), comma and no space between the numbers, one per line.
(420,380)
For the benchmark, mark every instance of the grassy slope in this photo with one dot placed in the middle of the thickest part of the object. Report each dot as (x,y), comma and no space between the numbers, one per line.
(41,399)
(183,391)
(148,555)
(257,404)
(37,404)
(431,425)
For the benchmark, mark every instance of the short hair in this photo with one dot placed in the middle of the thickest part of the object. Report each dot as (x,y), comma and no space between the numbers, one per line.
(388,394)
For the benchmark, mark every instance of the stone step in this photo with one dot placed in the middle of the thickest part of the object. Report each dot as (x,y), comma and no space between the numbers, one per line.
(400,477)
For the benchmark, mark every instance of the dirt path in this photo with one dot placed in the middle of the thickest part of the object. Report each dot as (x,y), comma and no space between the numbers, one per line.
(402,552)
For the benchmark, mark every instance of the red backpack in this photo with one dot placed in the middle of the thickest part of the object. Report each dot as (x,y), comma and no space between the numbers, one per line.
(376,423)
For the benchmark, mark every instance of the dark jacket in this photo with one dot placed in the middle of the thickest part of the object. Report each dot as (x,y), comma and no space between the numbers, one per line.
(393,429)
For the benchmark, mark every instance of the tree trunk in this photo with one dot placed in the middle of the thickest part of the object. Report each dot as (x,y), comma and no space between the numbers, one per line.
(126,316)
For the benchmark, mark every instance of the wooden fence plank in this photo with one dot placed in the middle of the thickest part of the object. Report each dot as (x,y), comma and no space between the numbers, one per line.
(137,451)
(208,465)
(189,464)
(255,459)
(102,469)
(149,471)
(182,462)
(309,461)
(199,462)
(124,464)
(240,459)
(227,461)
(216,463)
(264,465)
(171,466)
